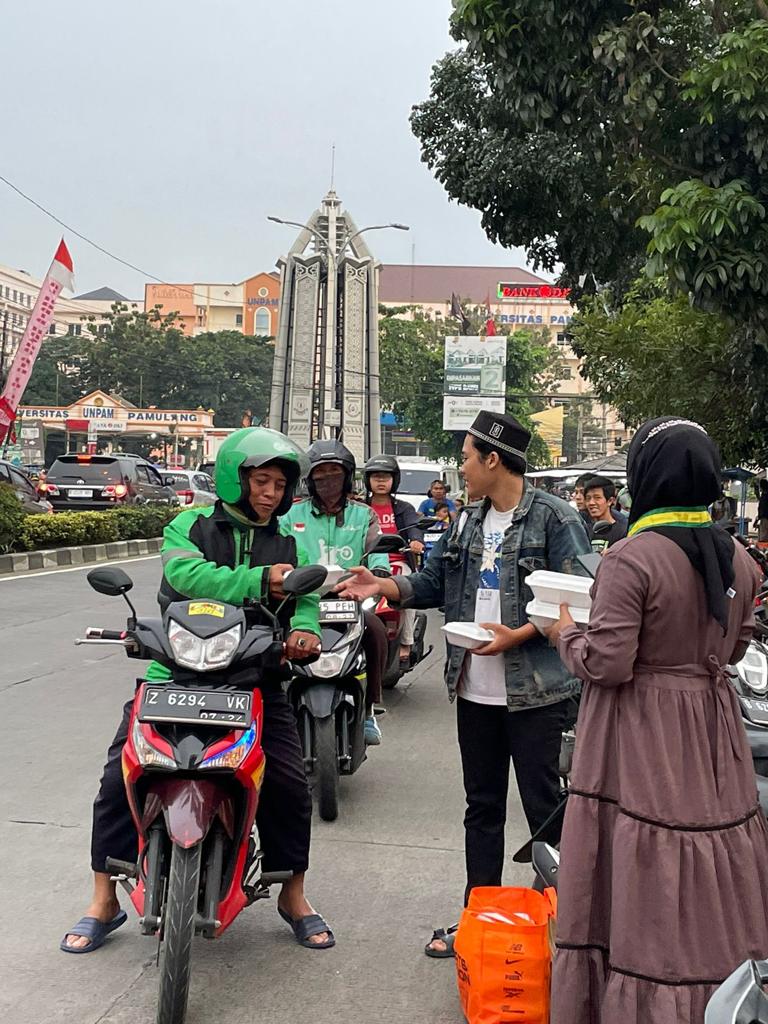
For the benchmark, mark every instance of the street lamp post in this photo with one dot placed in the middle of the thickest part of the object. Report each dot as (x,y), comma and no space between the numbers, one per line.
(333,253)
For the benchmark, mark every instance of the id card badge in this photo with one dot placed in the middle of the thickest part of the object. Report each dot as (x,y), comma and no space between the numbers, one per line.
(486,604)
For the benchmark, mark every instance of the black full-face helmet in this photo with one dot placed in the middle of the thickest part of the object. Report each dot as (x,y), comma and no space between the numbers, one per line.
(332,452)
(382,464)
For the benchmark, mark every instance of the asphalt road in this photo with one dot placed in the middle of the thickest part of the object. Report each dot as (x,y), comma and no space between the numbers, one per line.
(384,874)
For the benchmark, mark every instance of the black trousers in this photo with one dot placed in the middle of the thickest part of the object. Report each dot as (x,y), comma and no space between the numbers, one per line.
(489,735)
(283,817)
(375,647)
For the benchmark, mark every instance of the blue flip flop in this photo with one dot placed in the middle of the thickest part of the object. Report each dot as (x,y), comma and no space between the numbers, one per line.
(93,929)
(305,927)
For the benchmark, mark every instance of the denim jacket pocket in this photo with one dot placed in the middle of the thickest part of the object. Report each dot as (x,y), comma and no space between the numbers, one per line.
(528,564)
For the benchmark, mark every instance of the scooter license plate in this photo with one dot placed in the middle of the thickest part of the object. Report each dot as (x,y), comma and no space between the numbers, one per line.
(755,710)
(229,708)
(338,611)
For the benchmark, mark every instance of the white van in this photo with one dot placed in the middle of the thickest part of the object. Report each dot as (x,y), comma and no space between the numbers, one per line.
(416,477)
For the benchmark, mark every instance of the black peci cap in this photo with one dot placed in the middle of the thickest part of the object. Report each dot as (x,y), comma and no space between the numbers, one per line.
(505,434)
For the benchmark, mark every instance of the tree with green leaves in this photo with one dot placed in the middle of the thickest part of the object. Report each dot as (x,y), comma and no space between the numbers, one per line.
(636,140)
(657,354)
(412,373)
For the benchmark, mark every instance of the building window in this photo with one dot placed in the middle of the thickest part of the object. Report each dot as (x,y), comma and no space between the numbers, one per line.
(52,329)
(75,329)
(15,295)
(262,322)
(564,338)
(566,373)
(238,319)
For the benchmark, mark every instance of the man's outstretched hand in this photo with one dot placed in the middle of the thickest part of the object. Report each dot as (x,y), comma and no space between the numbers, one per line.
(361,584)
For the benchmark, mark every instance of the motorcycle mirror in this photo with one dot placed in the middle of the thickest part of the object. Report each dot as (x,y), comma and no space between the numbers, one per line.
(110,580)
(305,580)
(386,544)
(601,527)
(426,522)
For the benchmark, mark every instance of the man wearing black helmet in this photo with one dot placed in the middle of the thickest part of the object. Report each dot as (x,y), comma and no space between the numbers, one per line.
(334,529)
(381,475)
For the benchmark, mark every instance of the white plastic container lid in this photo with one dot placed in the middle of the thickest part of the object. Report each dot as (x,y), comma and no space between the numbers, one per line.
(466,634)
(543,614)
(560,588)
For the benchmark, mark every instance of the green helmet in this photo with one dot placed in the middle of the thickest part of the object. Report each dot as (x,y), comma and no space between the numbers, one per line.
(257,446)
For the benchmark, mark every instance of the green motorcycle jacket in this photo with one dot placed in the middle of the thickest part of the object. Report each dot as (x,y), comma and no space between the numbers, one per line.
(219,554)
(335,540)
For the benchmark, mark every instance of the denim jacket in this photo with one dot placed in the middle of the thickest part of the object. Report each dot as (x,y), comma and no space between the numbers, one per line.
(546,533)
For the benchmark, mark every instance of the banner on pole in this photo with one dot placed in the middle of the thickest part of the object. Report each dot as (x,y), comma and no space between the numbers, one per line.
(475,365)
(475,378)
(459,412)
(60,275)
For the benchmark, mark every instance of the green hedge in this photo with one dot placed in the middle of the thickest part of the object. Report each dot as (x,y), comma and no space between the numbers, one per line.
(71,529)
(11,517)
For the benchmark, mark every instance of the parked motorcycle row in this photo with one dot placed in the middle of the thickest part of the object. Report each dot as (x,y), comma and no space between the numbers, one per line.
(193,762)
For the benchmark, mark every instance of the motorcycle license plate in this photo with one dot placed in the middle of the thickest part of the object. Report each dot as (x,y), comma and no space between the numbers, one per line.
(230,708)
(755,710)
(75,492)
(432,538)
(338,611)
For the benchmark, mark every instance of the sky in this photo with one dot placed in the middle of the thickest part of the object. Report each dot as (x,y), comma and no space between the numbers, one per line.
(167,130)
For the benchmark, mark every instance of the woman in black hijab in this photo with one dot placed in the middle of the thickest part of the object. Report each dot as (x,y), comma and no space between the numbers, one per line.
(664,847)
(673,475)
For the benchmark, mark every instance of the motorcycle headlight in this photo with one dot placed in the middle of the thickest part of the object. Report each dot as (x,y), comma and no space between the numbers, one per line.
(233,756)
(753,670)
(203,655)
(330,663)
(149,756)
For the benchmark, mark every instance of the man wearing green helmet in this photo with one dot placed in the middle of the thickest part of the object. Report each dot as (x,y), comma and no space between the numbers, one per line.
(230,552)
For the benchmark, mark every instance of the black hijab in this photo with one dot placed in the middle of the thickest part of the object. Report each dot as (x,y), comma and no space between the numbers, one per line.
(673,467)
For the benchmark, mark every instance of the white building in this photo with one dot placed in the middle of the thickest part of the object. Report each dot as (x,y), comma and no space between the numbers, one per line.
(18,294)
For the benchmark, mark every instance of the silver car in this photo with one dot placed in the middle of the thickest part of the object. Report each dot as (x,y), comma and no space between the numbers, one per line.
(192,487)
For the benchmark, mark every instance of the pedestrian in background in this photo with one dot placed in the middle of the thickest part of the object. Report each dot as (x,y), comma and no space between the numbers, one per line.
(662,889)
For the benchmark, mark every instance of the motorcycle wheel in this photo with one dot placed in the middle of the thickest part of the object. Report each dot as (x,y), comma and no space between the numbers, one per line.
(327,768)
(178,932)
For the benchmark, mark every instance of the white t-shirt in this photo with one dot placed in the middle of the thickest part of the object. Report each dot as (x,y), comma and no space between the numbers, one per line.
(483,679)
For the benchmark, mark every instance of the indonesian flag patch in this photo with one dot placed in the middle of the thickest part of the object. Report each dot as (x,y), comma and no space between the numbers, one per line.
(298,527)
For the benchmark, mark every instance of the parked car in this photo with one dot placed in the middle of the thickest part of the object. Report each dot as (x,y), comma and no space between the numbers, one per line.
(191,487)
(25,490)
(104,481)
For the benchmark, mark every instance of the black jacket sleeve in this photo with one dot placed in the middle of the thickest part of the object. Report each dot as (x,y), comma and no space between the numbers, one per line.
(406,518)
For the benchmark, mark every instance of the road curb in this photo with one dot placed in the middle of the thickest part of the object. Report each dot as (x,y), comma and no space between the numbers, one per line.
(29,561)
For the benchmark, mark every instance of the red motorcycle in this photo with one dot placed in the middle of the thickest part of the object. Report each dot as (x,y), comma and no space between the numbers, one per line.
(193,766)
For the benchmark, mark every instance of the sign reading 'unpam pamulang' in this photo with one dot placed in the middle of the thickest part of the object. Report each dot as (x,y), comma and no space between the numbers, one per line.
(106,413)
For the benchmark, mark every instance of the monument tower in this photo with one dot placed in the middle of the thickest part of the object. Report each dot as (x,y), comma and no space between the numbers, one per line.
(325,381)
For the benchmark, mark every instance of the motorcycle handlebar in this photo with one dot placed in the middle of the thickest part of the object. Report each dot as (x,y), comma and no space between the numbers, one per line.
(96,633)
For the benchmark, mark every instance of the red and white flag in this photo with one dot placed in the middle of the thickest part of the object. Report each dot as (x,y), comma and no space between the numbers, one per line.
(60,275)
(490,323)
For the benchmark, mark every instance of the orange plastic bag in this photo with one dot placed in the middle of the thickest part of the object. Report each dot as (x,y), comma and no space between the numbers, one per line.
(504,955)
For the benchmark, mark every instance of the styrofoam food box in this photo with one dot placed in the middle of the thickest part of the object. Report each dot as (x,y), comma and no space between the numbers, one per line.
(542,614)
(466,634)
(560,588)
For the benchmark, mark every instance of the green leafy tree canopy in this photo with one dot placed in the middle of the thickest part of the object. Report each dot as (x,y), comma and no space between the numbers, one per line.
(412,374)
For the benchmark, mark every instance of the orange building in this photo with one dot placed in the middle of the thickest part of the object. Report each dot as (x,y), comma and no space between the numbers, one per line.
(250,306)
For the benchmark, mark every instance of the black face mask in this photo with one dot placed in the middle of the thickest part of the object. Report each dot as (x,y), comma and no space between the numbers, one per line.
(329,490)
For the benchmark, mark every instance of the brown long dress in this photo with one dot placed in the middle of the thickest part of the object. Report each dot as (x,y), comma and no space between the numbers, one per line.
(664,850)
